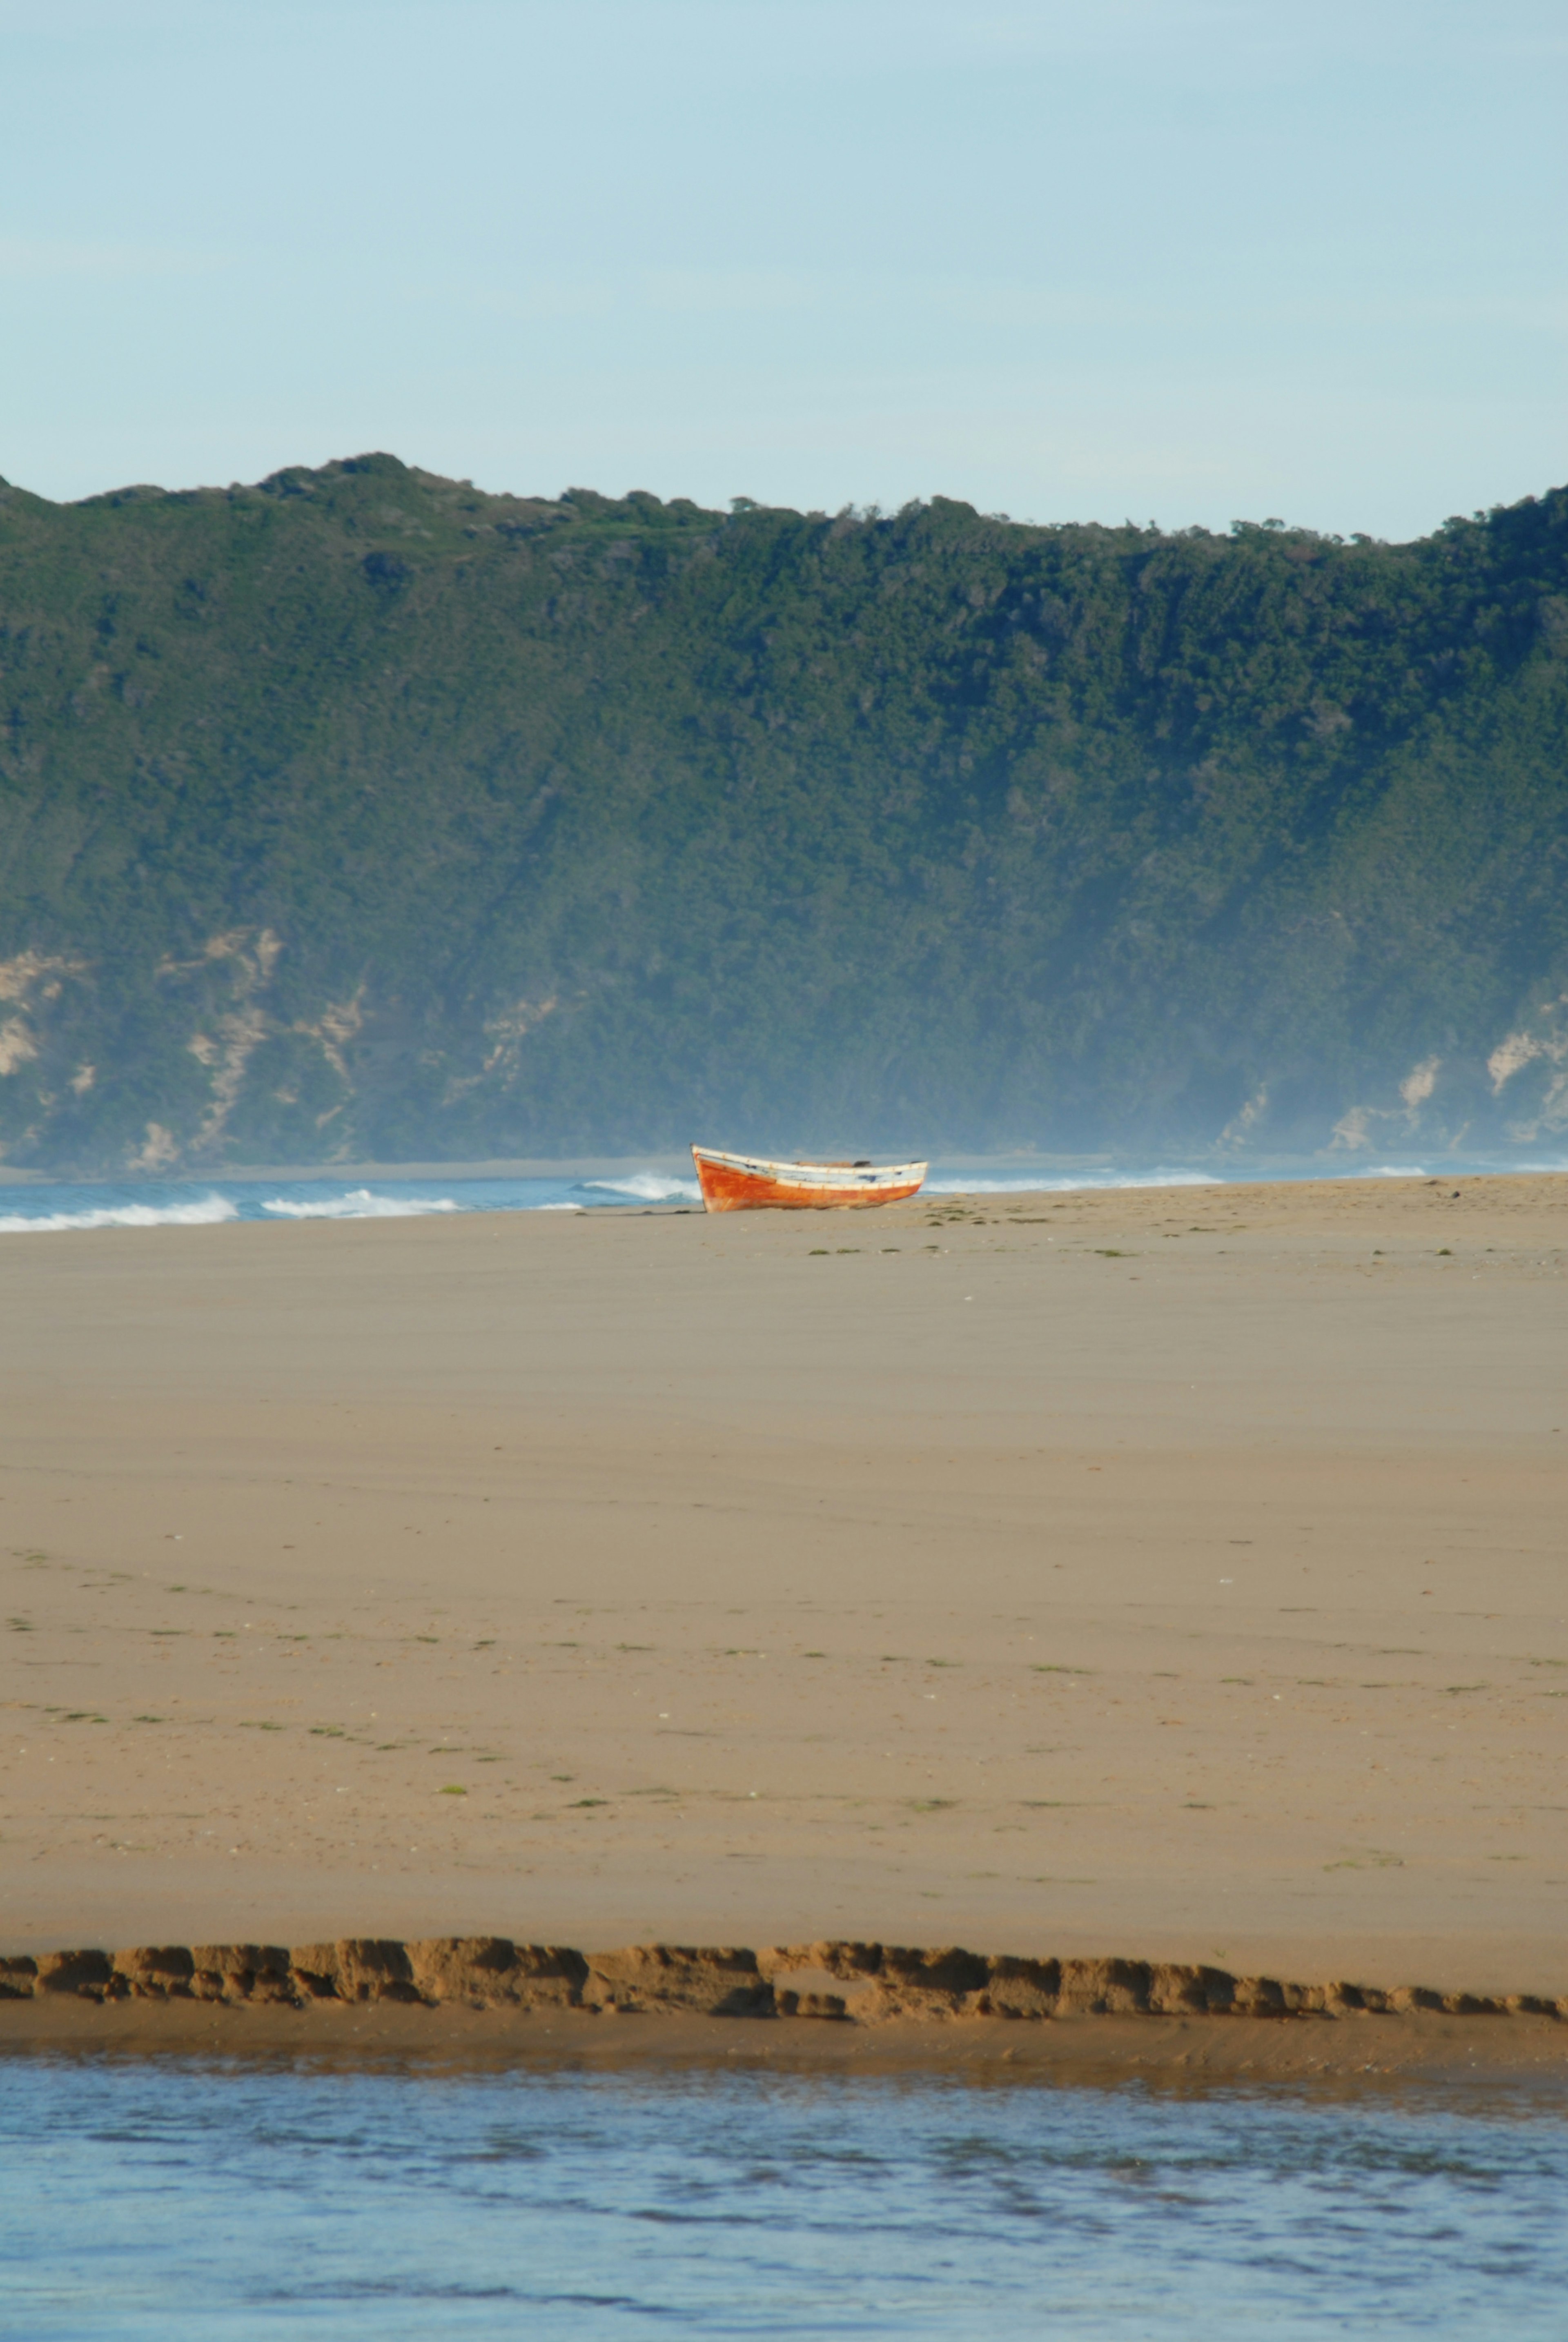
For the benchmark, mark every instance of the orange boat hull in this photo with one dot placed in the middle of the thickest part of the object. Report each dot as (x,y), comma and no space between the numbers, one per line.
(742,1183)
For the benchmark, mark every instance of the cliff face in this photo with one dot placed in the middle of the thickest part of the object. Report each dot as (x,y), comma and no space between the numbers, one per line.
(362,815)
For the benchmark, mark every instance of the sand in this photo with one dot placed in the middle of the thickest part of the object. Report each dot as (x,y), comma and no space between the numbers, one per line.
(1175,1573)
(1101,2051)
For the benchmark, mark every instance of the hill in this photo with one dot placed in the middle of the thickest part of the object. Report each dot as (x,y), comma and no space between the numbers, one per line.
(360,814)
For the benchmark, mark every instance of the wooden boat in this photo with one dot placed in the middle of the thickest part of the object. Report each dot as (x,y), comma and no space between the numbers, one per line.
(748,1183)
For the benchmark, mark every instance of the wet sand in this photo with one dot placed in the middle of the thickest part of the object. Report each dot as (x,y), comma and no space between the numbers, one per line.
(1093,2050)
(1176,1574)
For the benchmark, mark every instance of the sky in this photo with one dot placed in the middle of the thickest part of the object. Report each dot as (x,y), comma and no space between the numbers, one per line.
(1186,261)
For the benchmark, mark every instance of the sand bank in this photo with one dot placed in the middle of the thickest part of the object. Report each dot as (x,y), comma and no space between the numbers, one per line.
(845,2006)
(1175,1569)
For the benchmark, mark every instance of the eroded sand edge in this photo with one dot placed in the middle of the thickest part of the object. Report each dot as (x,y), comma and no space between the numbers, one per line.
(857,1983)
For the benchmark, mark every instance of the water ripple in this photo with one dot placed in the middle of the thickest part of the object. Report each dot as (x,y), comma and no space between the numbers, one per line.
(181,2201)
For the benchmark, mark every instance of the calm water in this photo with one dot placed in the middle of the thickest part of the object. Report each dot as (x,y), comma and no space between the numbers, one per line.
(194,2204)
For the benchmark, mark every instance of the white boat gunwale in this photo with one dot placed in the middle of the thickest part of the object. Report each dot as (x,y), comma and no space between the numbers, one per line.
(815,1174)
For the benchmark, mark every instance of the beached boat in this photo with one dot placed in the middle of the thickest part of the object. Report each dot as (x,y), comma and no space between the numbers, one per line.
(748,1183)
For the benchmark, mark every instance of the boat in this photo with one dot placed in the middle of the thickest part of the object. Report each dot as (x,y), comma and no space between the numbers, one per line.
(750,1183)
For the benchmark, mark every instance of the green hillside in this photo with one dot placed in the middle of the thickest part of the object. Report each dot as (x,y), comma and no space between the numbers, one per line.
(362,815)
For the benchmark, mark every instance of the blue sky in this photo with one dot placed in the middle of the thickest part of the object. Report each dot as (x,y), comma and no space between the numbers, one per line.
(1183,260)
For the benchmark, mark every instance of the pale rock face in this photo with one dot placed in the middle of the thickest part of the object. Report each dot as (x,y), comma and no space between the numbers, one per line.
(1510,1057)
(1546,1043)
(20,976)
(18,1046)
(1419,1084)
(158,1151)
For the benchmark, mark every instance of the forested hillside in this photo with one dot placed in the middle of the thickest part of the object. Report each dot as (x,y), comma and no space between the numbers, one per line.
(359,813)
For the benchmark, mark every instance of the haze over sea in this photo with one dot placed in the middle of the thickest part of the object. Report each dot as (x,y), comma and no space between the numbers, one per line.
(179,2201)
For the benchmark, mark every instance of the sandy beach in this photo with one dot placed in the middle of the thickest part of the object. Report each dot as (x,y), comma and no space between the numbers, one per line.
(1175,1573)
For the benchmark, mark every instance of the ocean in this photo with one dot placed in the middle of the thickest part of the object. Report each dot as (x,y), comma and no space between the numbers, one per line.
(179,2202)
(41,1207)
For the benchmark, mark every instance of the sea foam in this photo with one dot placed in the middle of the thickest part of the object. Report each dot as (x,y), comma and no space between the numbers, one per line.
(205,1212)
(649,1187)
(1038,1183)
(359,1204)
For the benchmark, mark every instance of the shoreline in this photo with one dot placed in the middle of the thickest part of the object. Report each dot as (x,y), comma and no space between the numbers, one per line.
(831,2007)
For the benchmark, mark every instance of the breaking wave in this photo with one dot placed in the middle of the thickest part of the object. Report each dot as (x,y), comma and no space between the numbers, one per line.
(359,1204)
(1038,1183)
(649,1187)
(206,1211)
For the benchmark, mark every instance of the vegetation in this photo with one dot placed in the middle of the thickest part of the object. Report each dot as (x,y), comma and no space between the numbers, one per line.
(362,815)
